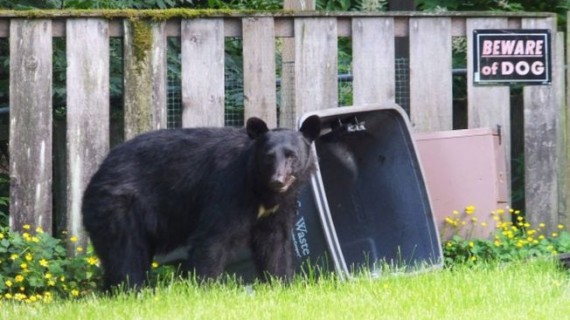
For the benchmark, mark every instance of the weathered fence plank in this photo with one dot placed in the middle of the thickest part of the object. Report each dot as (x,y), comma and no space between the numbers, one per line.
(559,85)
(430,74)
(202,72)
(87,110)
(316,85)
(145,77)
(565,218)
(488,106)
(541,114)
(259,70)
(373,62)
(30,124)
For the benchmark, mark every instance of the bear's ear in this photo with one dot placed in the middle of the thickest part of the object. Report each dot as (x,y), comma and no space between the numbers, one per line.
(311,128)
(255,127)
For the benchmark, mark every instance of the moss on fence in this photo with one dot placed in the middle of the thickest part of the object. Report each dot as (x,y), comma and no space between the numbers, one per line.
(168,14)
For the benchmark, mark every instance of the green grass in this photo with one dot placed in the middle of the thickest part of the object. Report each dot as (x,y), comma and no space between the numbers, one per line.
(531,290)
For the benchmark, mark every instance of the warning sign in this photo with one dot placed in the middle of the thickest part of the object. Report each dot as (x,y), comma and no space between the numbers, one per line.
(511,56)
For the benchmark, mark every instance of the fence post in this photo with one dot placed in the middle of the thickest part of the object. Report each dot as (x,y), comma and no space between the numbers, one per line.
(87,112)
(489,106)
(565,218)
(315,64)
(541,132)
(31,124)
(431,98)
(202,72)
(373,62)
(259,69)
(145,77)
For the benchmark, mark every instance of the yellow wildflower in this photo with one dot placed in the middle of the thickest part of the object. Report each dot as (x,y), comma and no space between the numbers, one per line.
(560,227)
(555,234)
(13,256)
(471,244)
(19,296)
(29,257)
(79,249)
(470,209)
(39,230)
(155,264)
(541,225)
(19,278)
(44,263)
(8,296)
(75,292)
(73,239)
(26,227)
(483,224)
(473,219)
(24,266)
(1,236)
(8,283)
(92,260)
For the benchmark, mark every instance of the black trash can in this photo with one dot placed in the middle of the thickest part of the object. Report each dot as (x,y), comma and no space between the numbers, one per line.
(375,204)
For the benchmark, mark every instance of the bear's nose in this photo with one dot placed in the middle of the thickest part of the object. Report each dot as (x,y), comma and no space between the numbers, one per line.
(277,182)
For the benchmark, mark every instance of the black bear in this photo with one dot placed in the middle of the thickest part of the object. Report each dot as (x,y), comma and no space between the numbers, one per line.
(215,188)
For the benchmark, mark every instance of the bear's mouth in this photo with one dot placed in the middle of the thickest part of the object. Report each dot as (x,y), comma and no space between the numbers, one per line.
(282,187)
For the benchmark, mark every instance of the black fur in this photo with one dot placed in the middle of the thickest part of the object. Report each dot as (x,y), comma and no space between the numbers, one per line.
(156,191)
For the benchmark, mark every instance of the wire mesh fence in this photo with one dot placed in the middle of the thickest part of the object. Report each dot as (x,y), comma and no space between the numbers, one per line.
(234,106)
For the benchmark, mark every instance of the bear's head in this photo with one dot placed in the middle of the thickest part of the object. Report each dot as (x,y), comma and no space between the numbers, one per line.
(282,156)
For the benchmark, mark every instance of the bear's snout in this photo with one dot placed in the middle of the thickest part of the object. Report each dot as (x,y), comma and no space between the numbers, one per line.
(281,182)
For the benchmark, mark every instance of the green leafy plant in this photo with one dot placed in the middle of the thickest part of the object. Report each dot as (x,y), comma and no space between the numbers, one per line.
(513,239)
(34,266)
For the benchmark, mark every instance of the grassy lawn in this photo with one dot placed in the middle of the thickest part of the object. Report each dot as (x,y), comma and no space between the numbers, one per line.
(531,290)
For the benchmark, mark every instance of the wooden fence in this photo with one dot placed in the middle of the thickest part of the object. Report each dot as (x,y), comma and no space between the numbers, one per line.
(313,37)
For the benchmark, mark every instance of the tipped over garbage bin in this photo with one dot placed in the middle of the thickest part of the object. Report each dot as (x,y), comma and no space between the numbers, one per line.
(377,206)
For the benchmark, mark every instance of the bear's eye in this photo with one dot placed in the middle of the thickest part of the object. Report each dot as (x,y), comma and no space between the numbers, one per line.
(290,154)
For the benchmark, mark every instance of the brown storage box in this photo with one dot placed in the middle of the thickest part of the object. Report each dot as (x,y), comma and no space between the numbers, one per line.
(464,168)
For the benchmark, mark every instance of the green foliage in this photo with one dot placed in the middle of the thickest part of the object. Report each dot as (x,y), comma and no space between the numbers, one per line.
(4,198)
(558,6)
(34,266)
(352,5)
(514,239)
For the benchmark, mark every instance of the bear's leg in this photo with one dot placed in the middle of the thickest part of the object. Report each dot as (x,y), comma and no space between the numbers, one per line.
(208,257)
(272,249)
(126,259)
